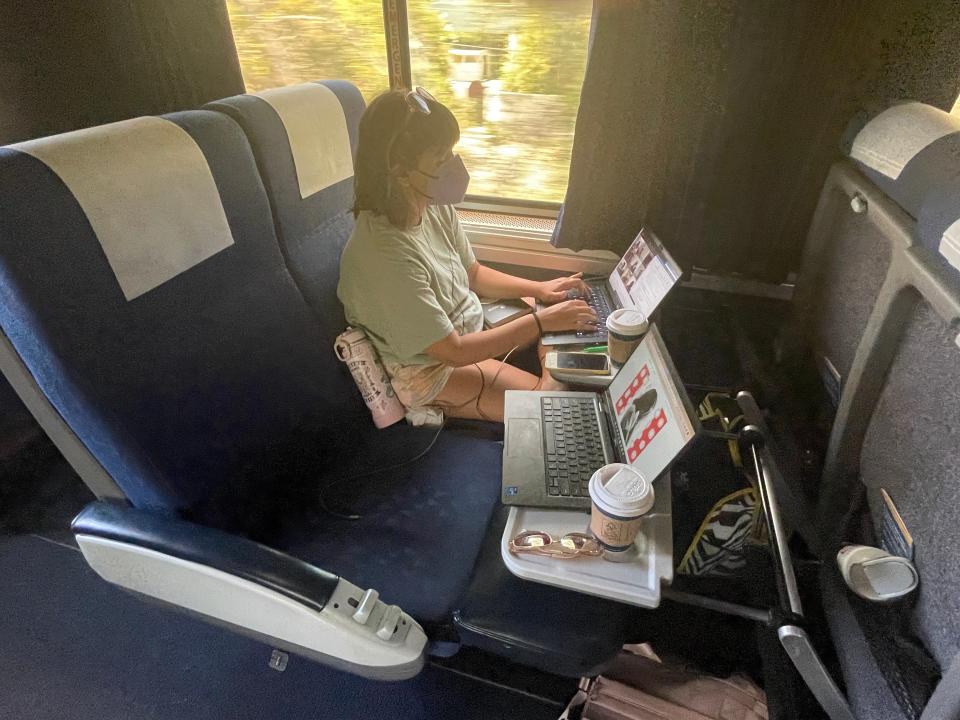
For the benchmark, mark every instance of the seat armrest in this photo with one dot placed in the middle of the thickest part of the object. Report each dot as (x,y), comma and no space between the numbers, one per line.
(252,589)
(215,549)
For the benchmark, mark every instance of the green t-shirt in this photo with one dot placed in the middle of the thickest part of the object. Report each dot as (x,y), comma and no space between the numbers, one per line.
(409,288)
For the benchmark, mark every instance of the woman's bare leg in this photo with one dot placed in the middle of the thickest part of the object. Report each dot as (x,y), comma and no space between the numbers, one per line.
(476,391)
(461,397)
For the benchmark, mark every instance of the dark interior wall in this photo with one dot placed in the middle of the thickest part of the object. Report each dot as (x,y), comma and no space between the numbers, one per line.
(68,64)
(715,123)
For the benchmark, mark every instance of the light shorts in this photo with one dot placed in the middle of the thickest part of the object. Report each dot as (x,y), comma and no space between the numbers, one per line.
(417,386)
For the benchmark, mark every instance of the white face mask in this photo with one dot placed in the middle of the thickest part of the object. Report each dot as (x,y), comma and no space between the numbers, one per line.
(449,185)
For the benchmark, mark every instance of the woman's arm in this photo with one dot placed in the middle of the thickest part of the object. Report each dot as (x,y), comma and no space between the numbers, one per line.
(460,350)
(488,282)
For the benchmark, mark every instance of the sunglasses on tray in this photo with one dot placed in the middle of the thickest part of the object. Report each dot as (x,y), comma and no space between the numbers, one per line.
(570,546)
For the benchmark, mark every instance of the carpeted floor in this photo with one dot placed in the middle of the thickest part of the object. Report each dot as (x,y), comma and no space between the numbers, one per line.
(72,646)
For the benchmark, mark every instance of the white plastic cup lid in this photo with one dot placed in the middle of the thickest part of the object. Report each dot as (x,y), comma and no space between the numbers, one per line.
(627,321)
(621,490)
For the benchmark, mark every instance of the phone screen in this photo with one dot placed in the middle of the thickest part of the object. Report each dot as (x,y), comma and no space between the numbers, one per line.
(581,361)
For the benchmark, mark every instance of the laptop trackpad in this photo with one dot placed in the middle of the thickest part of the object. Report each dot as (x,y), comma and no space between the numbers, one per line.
(523,438)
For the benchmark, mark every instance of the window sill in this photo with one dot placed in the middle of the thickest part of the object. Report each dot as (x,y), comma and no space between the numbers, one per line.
(524,240)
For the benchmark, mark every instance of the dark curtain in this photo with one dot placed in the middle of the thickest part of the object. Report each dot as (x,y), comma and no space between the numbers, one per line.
(68,65)
(714,123)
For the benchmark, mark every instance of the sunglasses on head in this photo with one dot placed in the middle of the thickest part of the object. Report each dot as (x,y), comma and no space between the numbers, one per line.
(418,101)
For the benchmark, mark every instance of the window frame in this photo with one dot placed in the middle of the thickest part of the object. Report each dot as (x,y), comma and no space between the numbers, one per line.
(512,206)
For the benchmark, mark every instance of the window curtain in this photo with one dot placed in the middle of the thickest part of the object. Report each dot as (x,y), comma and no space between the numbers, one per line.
(715,123)
(69,65)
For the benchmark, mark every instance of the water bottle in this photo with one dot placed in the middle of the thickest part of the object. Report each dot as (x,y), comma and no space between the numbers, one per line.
(355,349)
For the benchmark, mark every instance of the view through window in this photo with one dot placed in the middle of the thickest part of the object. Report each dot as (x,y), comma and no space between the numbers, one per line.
(285,42)
(510,71)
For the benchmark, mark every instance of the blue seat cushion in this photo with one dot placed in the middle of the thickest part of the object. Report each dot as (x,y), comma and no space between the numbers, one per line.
(210,386)
(421,525)
(312,230)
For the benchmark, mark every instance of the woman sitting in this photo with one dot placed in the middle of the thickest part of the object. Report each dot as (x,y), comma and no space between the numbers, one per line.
(409,277)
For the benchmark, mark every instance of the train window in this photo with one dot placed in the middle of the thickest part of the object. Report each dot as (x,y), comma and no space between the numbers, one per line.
(284,42)
(511,72)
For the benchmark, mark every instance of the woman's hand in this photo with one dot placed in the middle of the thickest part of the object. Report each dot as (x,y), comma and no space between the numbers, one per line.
(568,315)
(553,291)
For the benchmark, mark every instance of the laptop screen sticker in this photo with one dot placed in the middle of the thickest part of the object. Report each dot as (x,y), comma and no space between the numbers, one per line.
(651,419)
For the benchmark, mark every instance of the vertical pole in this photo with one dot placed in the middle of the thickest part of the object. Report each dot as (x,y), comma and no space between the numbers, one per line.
(398,43)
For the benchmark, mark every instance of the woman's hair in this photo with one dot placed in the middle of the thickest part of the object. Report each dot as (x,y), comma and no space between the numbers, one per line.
(388,126)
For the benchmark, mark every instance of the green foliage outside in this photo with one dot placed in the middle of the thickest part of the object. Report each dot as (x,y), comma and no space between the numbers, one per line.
(528,58)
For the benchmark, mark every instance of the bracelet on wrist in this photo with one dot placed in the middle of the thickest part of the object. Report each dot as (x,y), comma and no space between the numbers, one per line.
(539,324)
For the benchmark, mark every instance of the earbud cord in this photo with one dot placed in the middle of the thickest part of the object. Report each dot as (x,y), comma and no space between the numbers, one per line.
(483,380)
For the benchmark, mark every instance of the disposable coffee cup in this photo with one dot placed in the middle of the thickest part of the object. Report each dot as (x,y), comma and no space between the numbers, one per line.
(625,330)
(620,496)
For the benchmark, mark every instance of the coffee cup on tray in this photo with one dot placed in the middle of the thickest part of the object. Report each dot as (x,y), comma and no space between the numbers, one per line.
(620,497)
(625,329)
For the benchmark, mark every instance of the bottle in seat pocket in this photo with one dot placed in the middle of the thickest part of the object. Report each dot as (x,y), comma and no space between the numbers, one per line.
(355,349)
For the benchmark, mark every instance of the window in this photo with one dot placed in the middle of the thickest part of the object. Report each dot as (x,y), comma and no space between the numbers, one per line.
(285,42)
(510,71)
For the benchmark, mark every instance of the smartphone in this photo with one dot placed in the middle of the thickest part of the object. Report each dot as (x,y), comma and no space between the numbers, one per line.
(578,363)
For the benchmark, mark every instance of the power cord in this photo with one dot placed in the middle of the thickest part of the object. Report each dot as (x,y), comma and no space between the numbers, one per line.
(483,382)
(395,466)
(356,476)
(433,441)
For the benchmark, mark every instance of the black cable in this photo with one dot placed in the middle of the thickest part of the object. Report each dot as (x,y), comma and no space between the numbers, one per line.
(483,386)
(354,516)
(331,483)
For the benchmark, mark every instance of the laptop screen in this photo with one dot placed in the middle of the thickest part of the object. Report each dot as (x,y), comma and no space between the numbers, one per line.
(645,274)
(652,419)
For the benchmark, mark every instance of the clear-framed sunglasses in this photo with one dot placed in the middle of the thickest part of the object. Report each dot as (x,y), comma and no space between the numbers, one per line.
(418,101)
(570,546)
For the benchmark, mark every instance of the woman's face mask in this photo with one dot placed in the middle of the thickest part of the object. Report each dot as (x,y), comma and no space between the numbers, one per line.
(449,185)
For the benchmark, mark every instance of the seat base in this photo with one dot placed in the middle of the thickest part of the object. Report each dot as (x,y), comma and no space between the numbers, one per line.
(559,631)
(412,531)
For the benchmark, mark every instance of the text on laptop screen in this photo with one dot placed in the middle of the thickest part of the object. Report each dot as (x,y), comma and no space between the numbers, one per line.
(645,274)
(651,418)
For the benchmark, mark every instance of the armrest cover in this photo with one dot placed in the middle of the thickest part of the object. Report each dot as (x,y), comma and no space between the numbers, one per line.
(216,549)
(251,589)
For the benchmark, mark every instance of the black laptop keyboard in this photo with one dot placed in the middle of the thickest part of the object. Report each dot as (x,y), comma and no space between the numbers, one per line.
(572,447)
(598,301)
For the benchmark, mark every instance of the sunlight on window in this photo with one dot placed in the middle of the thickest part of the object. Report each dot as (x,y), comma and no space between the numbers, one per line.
(510,71)
(284,42)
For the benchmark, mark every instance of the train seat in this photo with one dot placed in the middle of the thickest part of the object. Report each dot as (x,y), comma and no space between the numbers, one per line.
(187,365)
(312,229)
(150,318)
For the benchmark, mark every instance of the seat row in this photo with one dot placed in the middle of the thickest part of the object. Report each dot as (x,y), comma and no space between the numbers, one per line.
(878,304)
(169,311)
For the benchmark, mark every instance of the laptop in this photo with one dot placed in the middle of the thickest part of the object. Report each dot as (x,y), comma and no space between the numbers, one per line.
(641,280)
(555,441)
